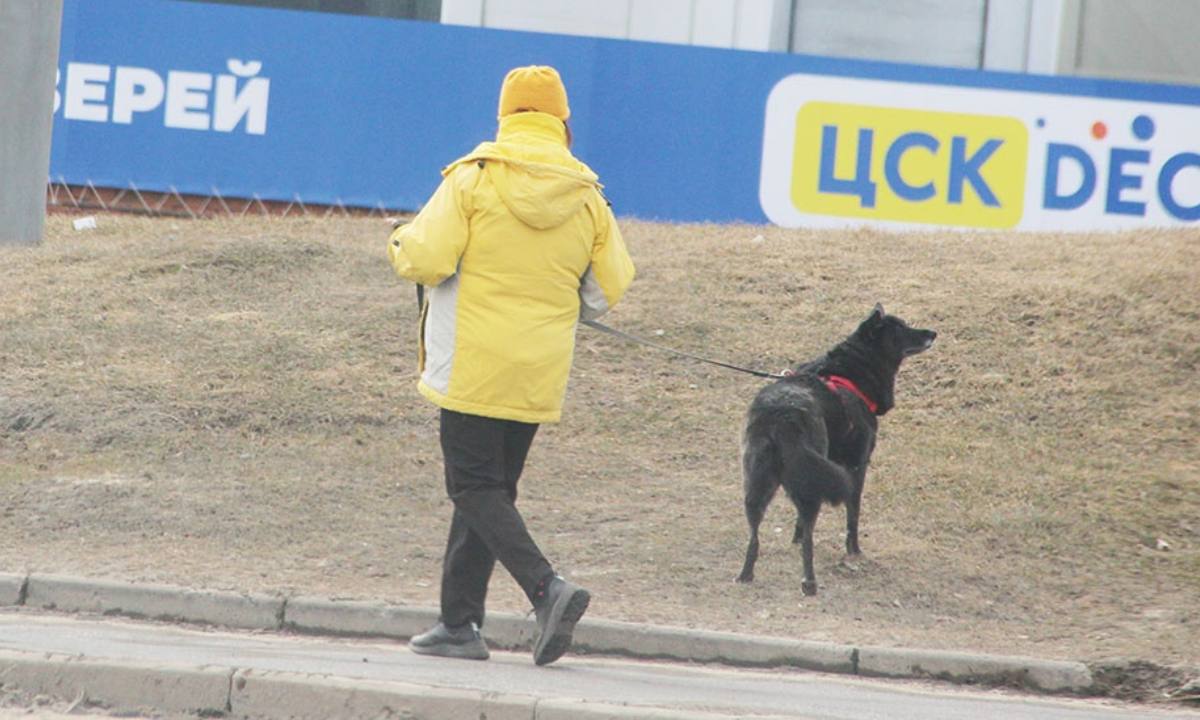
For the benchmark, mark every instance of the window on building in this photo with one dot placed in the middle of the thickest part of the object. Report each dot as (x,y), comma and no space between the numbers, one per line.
(404,9)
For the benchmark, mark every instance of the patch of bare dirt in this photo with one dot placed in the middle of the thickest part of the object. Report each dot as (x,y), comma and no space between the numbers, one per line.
(1142,681)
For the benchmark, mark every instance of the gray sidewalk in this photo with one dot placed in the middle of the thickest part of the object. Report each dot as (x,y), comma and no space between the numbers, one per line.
(514,632)
(140,666)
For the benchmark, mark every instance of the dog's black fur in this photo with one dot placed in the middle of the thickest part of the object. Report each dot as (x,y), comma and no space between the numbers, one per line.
(816,441)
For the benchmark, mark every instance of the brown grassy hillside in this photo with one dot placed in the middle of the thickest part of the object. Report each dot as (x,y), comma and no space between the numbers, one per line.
(230,404)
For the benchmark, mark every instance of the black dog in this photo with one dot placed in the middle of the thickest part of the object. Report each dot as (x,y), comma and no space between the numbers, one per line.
(813,432)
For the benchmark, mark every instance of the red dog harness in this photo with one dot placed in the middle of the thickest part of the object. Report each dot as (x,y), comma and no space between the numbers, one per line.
(837,382)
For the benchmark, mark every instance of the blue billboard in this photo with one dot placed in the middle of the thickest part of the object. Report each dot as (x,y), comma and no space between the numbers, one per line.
(284,105)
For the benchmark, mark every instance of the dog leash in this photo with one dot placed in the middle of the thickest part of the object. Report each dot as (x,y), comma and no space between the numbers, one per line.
(643,341)
(835,383)
(595,325)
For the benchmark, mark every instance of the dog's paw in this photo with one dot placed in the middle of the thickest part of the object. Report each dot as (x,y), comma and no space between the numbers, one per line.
(809,587)
(744,579)
(849,564)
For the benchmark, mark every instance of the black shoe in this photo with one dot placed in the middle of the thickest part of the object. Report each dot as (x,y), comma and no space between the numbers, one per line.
(462,642)
(559,608)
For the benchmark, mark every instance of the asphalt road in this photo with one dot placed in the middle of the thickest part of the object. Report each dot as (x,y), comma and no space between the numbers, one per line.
(743,693)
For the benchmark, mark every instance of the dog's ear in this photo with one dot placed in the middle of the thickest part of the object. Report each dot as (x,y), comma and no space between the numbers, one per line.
(872,322)
(875,319)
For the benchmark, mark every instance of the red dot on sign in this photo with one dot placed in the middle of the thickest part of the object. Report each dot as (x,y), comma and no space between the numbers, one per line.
(1099,130)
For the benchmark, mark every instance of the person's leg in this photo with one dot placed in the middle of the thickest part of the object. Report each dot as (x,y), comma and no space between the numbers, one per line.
(482,483)
(466,569)
(468,562)
(483,458)
(558,603)
(518,438)
(471,456)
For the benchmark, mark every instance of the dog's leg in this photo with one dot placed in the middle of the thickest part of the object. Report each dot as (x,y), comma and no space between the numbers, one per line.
(760,477)
(853,505)
(755,509)
(808,520)
(810,478)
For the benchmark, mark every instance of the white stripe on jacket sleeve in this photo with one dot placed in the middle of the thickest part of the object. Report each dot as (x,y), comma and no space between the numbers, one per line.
(592,302)
(440,334)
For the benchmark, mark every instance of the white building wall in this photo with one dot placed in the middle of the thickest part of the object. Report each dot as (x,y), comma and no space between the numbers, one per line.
(1101,38)
(741,24)
(569,17)
(1141,41)
(936,32)
(714,22)
(1053,34)
(463,12)
(667,21)
(1006,36)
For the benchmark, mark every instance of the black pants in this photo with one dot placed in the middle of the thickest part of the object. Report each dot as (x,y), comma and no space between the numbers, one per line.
(483,459)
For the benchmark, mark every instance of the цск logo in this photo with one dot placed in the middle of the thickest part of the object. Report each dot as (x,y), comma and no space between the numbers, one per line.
(843,151)
(909,165)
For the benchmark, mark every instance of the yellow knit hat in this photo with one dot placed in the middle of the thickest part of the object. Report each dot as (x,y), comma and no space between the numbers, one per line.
(534,87)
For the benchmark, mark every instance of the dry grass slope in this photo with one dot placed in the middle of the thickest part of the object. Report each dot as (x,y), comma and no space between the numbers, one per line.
(231,404)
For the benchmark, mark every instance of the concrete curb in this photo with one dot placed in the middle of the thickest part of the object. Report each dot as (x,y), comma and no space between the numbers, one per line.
(577,709)
(608,637)
(157,602)
(508,631)
(116,684)
(224,692)
(12,589)
(514,632)
(1049,676)
(321,616)
(304,697)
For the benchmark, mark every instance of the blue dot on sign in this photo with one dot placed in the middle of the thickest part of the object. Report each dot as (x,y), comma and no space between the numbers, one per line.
(1041,122)
(1143,127)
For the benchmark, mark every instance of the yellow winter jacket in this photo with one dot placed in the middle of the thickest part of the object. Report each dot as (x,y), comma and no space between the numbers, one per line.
(516,245)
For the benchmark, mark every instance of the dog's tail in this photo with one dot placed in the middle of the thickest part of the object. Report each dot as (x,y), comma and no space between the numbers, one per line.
(810,477)
(761,466)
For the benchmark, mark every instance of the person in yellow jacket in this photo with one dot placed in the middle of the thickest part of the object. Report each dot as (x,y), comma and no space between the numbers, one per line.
(516,246)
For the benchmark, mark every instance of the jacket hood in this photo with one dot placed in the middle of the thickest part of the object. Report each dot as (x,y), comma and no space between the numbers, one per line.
(533,171)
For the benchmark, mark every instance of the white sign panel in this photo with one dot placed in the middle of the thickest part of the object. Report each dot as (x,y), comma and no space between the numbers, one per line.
(841,152)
